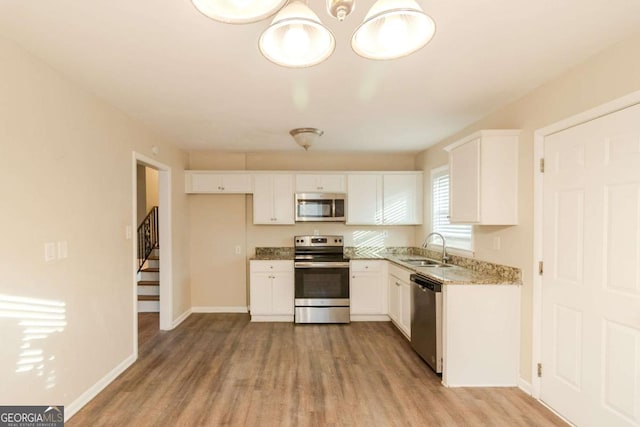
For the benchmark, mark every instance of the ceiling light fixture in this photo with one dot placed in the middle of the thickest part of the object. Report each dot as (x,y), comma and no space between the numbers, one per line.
(306,137)
(340,9)
(297,38)
(393,29)
(238,11)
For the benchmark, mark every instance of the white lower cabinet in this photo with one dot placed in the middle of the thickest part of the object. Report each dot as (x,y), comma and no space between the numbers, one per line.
(271,287)
(399,289)
(481,335)
(368,290)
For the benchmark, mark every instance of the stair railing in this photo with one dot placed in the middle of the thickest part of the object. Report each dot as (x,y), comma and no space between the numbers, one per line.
(148,237)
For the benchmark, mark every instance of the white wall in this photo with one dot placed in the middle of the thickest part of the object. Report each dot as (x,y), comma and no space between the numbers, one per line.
(608,75)
(66,175)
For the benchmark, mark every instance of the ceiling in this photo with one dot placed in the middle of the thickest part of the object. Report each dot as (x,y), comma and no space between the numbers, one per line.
(204,85)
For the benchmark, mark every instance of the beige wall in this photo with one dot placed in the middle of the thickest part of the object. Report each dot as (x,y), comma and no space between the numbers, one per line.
(151,188)
(219,223)
(611,74)
(141,193)
(66,174)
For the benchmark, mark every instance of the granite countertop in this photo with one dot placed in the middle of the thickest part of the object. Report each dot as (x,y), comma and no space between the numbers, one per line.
(471,272)
(272,257)
(455,275)
(477,272)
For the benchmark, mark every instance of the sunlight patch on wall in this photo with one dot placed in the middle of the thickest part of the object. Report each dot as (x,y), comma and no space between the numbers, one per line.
(39,319)
(369,238)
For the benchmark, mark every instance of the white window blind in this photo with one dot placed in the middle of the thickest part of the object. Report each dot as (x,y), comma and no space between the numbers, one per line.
(458,235)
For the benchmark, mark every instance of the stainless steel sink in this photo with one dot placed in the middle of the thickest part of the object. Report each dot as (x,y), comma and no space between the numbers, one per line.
(422,262)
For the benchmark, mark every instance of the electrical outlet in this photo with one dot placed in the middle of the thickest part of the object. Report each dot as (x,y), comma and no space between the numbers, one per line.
(496,243)
(238,250)
(128,232)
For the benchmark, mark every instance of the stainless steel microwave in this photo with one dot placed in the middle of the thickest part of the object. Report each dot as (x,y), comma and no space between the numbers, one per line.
(320,207)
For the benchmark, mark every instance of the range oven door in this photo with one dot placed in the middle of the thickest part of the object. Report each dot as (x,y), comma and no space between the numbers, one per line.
(322,284)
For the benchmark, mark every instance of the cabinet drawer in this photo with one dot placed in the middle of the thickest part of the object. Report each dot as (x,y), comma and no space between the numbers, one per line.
(366,266)
(267,266)
(399,272)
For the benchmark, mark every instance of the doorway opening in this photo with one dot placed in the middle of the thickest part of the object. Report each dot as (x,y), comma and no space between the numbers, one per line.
(148,253)
(152,284)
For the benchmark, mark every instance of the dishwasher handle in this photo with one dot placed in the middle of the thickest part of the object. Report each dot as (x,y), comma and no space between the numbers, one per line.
(426,283)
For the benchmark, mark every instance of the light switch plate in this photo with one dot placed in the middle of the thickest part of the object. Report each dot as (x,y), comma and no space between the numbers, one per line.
(63,249)
(49,251)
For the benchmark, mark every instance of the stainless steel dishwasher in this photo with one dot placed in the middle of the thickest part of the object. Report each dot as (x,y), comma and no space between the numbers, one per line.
(426,320)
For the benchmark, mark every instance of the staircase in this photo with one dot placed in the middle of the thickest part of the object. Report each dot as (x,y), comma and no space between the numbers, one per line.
(149,264)
(149,284)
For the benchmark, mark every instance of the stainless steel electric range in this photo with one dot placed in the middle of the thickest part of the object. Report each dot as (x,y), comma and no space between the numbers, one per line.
(321,280)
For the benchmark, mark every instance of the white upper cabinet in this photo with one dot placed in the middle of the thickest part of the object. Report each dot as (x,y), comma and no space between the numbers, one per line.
(364,199)
(218,182)
(402,204)
(483,173)
(320,183)
(387,198)
(273,201)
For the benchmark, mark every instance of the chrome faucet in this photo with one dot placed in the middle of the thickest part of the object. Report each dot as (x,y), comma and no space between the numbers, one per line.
(445,257)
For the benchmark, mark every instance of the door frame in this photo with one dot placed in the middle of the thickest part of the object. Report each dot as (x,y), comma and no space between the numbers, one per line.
(166,260)
(538,182)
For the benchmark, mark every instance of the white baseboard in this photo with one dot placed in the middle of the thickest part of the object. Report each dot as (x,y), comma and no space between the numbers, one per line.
(370,318)
(525,386)
(181,318)
(272,318)
(84,398)
(223,309)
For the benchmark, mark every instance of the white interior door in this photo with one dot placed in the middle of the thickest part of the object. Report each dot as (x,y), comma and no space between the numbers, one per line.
(591,283)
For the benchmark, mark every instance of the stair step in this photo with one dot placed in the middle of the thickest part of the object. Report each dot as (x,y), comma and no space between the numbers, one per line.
(151,270)
(148,297)
(154,258)
(148,283)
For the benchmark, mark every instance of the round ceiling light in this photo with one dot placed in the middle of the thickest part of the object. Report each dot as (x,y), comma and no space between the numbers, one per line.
(296,38)
(238,11)
(393,29)
(306,137)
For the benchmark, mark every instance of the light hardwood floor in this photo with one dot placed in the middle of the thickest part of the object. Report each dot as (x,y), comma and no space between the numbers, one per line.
(221,369)
(148,327)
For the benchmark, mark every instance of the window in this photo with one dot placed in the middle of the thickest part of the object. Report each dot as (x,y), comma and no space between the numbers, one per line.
(459,236)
